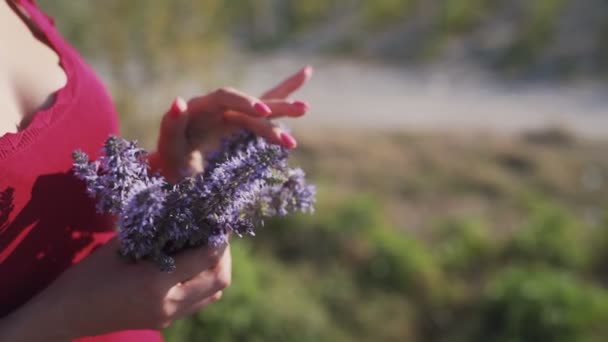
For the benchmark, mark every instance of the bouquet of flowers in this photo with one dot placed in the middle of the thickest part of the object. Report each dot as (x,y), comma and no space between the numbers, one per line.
(244,181)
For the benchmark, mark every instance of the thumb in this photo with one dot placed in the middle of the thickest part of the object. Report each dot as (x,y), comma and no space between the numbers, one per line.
(172,142)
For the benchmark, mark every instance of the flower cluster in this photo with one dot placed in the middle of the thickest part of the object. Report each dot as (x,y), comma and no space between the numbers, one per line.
(244,181)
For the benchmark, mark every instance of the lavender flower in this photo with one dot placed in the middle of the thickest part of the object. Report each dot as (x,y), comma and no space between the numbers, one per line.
(110,178)
(245,180)
(290,197)
(179,222)
(87,171)
(139,219)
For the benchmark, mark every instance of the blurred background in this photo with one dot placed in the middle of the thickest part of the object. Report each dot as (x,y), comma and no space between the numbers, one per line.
(459,148)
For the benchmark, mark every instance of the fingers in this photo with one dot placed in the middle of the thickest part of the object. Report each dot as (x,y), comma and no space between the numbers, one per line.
(206,113)
(190,263)
(172,144)
(203,303)
(206,283)
(282,108)
(286,108)
(228,99)
(262,128)
(266,129)
(203,289)
(289,85)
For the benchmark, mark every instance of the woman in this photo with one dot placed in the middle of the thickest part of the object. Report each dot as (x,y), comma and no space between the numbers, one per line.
(52,286)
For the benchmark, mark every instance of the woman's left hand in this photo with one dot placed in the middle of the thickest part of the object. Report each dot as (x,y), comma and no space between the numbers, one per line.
(191,129)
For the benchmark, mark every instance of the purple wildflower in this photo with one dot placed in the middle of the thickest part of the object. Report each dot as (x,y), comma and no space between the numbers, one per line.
(123,166)
(179,224)
(243,181)
(110,178)
(87,171)
(138,223)
(293,196)
(233,180)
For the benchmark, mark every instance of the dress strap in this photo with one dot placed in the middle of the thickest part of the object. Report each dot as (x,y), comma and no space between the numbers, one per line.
(37,15)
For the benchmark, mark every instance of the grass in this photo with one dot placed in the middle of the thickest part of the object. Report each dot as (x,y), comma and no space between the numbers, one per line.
(428,237)
(482,176)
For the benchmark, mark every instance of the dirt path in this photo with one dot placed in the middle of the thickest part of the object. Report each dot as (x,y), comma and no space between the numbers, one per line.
(357,94)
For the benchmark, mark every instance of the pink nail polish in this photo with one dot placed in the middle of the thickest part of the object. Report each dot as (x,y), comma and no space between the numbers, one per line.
(301,105)
(262,108)
(308,70)
(177,107)
(288,140)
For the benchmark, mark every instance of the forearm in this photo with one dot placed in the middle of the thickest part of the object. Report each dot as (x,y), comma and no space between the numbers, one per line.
(37,321)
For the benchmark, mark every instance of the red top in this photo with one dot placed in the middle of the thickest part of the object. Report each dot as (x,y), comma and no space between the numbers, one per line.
(47,222)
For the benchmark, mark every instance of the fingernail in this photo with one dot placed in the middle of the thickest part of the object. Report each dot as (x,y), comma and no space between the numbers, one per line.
(262,108)
(301,105)
(308,70)
(177,107)
(288,140)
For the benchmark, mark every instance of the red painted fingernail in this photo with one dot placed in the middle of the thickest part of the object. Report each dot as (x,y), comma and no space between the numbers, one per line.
(262,108)
(308,70)
(177,107)
(301,105)
(288,140)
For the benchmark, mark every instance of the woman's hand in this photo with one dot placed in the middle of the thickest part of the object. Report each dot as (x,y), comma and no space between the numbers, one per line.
(103,294)
(191,129)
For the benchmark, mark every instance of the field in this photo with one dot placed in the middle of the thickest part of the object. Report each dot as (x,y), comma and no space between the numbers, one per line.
(428,237)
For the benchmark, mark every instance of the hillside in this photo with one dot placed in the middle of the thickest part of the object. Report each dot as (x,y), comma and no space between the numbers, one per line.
(541,39)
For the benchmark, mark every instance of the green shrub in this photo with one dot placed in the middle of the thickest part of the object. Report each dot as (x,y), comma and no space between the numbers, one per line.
(334,233)
(303,14)
(397,262)
(551,237)
(380,12)
(461,15)
(531,304)
(265,302)
(463,246)
(599,250)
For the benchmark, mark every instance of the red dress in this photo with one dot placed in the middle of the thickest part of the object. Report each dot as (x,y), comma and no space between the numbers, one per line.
(47,222)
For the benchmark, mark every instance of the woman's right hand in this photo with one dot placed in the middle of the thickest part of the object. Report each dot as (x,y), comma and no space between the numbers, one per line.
(103,294)
(189,130)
